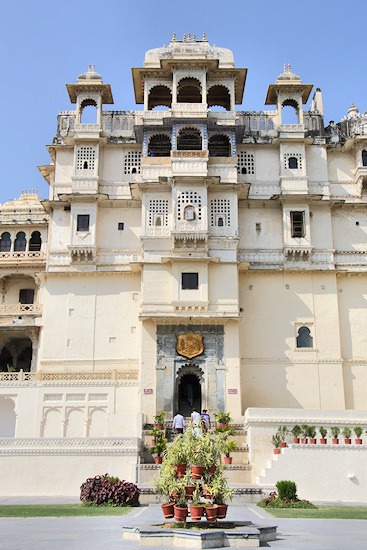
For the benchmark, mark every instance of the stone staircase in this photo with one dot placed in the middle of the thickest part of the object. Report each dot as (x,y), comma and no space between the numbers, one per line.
(238,473)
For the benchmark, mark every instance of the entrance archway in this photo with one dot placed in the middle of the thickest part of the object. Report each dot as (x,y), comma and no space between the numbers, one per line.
(189,389)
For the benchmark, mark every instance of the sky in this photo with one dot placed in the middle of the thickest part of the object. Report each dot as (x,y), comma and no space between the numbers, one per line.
(44,45)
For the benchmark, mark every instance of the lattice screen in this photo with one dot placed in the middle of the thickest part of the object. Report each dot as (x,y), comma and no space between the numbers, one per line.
(85,157)
(132,160)
(158,207)
(245,163)
(220,208)
(188,198)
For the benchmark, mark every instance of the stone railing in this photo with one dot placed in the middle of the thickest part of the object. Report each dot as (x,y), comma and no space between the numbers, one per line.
(290,128)
(66,445)
(20,309)
(87,128)
(96,376)
(26,255)
(190,154)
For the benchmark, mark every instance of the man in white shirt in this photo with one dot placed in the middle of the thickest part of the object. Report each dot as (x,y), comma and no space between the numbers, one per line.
(179,423)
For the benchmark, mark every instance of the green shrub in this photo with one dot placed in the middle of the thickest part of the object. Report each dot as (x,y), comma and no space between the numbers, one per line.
(287,489)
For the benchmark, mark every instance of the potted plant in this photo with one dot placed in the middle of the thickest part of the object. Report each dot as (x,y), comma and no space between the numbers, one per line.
(223,419)
(178,455)
(158,449)
(211,511)
(347,432)
(311,432)
(180,508)
(158,420)
(154,432)
(164,485)
(196,508)
(358,431)
(296,432)
(221,493)
(334,434)
(276,441)
(228,446)
(304,432)
(283,432)
(323,432)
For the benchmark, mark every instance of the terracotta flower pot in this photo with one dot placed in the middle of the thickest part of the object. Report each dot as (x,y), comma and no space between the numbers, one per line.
(296,440)
(154,441)
(205,490)
(159,426)
(189,491)
(347,441)
(277,451)
(222,511)
(158,459)
(196,512)
(313,441)
(180,469)
(323,441)
(227,460)
(211,513)
(283,444)
(223,425)
(335,441)
(180,513)
(197,471)
(211,470)
(168,510)
(358,441)
(304,440)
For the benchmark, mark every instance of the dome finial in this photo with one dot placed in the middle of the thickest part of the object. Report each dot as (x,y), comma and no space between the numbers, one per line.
(289,68)
(174,36)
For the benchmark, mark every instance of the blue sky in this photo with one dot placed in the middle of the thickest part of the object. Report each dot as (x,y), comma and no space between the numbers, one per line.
(44,45)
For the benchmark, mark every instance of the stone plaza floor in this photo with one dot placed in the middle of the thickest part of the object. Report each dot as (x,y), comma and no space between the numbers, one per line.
(79,533)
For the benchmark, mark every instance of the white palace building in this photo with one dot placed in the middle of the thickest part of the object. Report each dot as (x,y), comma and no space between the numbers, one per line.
(187,245)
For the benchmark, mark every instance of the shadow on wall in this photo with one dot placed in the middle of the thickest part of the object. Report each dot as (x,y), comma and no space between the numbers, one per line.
(7,417)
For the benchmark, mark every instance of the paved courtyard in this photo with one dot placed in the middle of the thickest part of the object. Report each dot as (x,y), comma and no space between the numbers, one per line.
(105,532)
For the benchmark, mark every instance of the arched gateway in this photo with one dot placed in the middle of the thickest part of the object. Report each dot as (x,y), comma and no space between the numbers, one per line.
(196,379)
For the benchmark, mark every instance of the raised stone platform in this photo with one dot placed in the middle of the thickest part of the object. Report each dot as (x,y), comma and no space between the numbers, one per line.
(245,535)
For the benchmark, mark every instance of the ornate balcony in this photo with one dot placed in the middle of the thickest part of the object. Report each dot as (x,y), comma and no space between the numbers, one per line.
(26,256)
(20,309)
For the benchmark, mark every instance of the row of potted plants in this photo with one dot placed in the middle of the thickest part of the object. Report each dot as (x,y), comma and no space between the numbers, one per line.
(192,479)
(309,433)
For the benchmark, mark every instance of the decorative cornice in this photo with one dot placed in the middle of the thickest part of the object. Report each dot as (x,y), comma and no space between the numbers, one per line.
(69,446)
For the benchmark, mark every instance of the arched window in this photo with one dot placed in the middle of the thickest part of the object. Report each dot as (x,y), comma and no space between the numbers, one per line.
(220,222)
(219,96)
(292,163)
(159,146)
(219,146)
(159,95)
(5,242)
(189,90)
(88,111)
(244,170)
(189,139)
(304,338)
(35,242)
(364,158)
(158,221)
(290,112)
(20,242)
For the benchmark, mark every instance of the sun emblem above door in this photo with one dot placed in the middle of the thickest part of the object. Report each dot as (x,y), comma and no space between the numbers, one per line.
(190,345)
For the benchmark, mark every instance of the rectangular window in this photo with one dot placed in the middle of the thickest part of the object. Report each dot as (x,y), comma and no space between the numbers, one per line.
(120,226)
(297,224)
(83,222)
(190,281)
(26,296)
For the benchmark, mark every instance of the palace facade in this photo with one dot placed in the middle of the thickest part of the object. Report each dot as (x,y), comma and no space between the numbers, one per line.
(185,249)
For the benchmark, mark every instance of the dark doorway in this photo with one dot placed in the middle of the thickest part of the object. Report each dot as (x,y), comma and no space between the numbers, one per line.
(189,394)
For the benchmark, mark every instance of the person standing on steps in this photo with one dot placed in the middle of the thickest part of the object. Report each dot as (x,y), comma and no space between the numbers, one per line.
(196,421)
(179,423)
(205,418)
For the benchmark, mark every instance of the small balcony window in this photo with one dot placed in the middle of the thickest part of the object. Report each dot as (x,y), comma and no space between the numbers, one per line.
(83,222)
(20,242)
(297,224)
(190,281)
(26,296)
(5,242)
